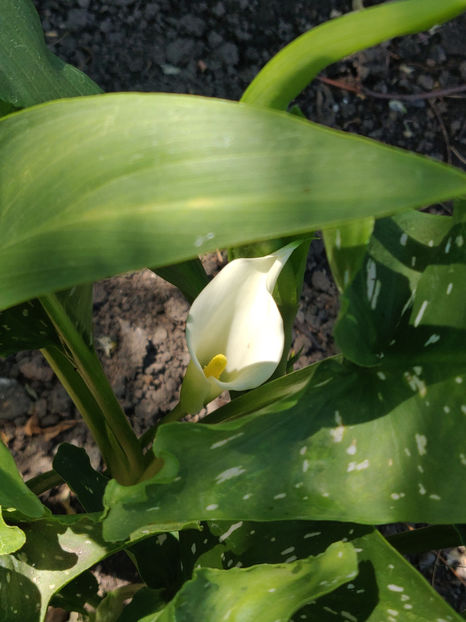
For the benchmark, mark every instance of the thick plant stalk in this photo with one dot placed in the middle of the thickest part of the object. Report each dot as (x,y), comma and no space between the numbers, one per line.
(82,399)
(124,454)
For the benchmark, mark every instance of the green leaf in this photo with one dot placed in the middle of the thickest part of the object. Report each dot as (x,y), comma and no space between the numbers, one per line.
(11,537)
(15,496)
(30,72)
(384,581)
(158,562)
(277,394)
(296,65)
(6,108)
(189,276)
(405,305)
(54,554)
(73,464)
(346,248)
(74,595)
(262,593)
(321,459)
(143,607)
(56,551)
(25,327)
(387,588)
(145,179)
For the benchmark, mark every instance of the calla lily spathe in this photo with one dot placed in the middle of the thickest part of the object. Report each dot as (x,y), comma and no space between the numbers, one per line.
(234,330)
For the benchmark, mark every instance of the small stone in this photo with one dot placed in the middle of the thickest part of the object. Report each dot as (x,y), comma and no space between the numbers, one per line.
(228,52)
(151,10)
(59,402)
(426,82)
(14,400)
(179,51)
(77,19)
(192,25)
(50,419)
(36,369)
(219,9)
(320,281)
(214,39)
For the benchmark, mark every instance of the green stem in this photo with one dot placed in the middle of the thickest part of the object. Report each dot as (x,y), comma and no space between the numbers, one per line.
(125,456)
(45,481)
(82,399)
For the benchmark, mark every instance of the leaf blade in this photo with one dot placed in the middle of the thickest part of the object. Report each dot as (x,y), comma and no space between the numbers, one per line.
(127,174)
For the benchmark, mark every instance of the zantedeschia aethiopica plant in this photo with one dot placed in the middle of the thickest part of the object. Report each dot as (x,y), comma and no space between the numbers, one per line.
(264,510)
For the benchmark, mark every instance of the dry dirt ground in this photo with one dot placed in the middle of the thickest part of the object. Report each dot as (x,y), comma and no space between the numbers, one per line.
(408,92)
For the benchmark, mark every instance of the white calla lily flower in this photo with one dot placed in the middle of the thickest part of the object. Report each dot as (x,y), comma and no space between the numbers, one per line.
(234,330)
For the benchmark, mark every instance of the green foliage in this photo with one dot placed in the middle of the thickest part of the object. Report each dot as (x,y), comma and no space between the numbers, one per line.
(74,466)
(384,580)
(161,195)
(30,73)
(263,592)
(264,511)
(11,538)
(15,496)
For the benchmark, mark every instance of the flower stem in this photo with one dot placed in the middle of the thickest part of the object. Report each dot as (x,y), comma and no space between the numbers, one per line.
(117,439)
(82,399)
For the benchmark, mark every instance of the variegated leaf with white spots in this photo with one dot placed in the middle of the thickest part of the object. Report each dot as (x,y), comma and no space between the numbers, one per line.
(57,550)
(264,592)
(386,587)
(361,444)
(406,305)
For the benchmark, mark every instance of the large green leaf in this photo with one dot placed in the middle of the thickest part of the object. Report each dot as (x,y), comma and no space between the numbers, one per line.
(56,551)
(346,249)
(321,459)
(15,496)
(406,305)
(99,185)
(291,70)
(387,588)
(54,554)
(384,581)
(261,593)
(30,73)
